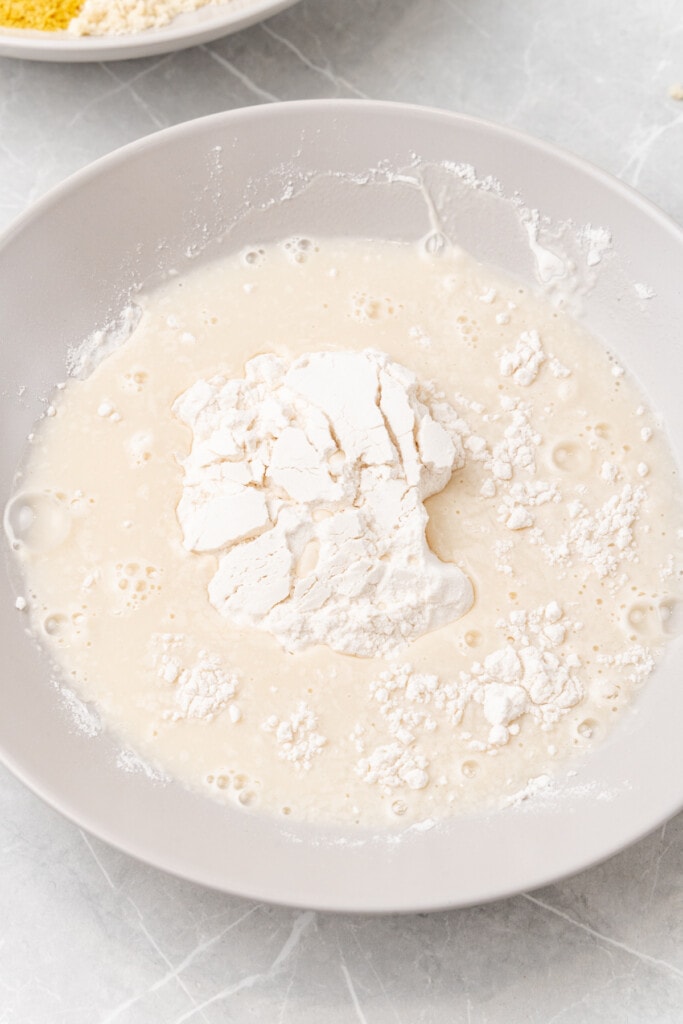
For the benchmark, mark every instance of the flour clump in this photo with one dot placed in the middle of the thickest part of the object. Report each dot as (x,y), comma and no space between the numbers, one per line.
(309,480)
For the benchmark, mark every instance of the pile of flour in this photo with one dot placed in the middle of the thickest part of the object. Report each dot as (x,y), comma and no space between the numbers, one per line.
(309,480)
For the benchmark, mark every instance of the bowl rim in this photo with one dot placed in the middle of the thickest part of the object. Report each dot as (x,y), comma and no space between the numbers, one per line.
(130,843)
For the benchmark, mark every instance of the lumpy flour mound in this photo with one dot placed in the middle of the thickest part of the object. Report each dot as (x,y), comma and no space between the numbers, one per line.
(309,479)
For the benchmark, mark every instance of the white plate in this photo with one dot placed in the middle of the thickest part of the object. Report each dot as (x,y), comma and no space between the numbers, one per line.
(201,26)
(263,173)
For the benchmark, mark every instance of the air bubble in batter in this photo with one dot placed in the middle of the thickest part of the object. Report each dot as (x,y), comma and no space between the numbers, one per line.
(587,729)
(37,522)
(670,614)
(434,244)
(646,620)
(570,457)
(254,257)
(56,625)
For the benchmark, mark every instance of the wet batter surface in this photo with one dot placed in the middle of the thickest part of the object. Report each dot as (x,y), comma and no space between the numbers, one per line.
(561,513)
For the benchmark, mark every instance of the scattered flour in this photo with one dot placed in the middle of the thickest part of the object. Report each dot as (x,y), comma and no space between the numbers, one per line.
(523,362)
(129,761)
(394,765)
(600,540)
(297,738)
(644,291)
(595,242)
(637,662)
(200,690)
(85,717)
(535,674)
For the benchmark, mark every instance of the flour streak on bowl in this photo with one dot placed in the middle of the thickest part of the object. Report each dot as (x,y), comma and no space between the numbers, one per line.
(76,261)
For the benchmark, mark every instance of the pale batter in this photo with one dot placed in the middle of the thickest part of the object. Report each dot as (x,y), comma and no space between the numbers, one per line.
(562,517)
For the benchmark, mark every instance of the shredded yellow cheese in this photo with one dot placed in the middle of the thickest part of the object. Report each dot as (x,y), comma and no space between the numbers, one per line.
(44,15)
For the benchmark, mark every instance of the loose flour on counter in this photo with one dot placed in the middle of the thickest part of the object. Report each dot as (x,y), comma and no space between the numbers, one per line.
(351,531)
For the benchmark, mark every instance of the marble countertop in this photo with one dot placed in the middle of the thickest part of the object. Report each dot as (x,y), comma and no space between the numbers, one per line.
(89,936)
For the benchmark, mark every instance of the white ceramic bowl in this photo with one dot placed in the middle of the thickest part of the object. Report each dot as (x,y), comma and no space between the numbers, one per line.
(191,29)
(209,186)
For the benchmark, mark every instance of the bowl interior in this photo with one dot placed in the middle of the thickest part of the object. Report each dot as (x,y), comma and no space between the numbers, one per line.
(329,169)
